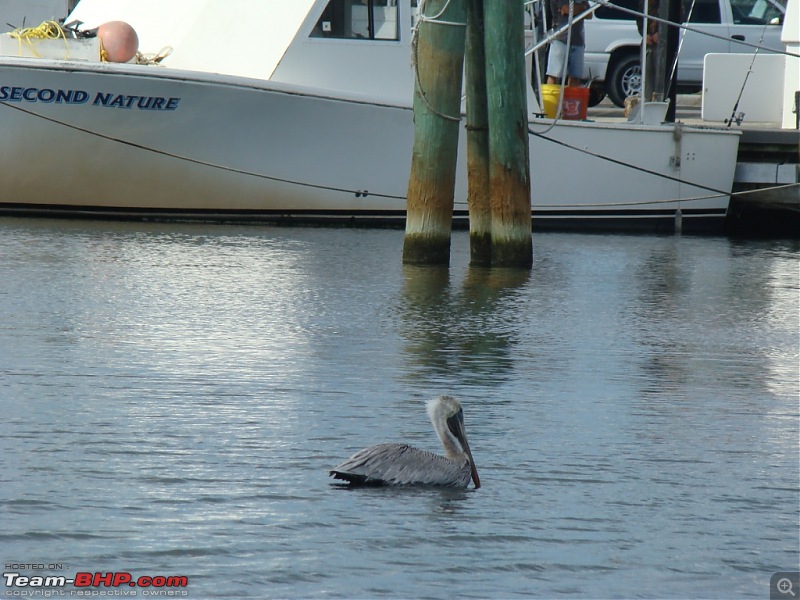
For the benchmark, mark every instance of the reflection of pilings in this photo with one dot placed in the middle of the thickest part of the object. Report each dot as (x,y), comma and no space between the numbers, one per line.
(438,49)
(425,310)
(489,285)
(662,285)
(468,336)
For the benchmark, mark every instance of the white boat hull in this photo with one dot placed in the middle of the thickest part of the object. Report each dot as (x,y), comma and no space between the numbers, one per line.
(233,148)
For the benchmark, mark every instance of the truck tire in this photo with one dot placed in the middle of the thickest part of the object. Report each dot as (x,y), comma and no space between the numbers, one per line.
(596,94)
(625,79)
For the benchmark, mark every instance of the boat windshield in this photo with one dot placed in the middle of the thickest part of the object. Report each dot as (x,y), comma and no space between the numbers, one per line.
(756,12)
(358,19)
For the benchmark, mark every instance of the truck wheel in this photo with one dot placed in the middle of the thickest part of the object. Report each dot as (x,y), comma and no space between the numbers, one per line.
(596,94)
(625,80)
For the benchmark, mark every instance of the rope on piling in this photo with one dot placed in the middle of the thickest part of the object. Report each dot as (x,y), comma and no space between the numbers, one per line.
(437,20)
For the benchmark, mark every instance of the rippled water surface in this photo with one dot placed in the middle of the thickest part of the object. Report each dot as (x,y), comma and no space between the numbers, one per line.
(173,395)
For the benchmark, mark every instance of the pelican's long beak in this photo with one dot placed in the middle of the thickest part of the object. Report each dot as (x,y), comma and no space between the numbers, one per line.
(475,479)
(461,434)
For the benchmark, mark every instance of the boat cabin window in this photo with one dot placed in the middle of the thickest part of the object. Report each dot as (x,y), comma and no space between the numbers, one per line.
(608,12)
(755,12)
(704,11)
(358,19)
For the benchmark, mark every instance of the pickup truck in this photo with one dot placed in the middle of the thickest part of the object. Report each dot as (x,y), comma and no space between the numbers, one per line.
(613,43)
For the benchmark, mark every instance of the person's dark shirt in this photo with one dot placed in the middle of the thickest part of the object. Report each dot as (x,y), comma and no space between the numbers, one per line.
(559,20)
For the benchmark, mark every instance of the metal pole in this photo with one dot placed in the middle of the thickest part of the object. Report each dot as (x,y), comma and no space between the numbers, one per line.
(671,43)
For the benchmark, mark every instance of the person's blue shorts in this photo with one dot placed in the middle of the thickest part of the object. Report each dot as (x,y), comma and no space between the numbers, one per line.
(555,60)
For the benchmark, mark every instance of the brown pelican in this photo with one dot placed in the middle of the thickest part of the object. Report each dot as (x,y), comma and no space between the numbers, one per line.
(400,464)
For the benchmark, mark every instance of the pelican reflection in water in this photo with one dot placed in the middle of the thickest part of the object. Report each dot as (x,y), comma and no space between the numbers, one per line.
(400,464)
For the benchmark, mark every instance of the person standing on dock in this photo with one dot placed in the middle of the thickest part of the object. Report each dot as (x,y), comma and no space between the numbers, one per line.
(559,52)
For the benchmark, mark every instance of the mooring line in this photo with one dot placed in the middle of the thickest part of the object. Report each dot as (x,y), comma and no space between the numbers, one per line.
(202,163)
(624,164)
(198,161)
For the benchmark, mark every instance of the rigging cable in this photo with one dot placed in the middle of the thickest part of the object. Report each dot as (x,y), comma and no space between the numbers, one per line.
(196,161)
(678,52)
(717,193)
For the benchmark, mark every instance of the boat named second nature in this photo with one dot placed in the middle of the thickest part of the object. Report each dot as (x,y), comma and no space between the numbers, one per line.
(300,111)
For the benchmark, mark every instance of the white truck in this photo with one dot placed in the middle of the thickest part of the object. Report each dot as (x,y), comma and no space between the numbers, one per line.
(613,43)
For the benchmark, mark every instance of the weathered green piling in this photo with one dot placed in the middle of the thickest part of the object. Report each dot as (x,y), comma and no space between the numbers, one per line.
(509,168)
(438,62)
(478,192)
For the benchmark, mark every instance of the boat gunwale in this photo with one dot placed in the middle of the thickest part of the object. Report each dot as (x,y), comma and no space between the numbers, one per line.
(264,85)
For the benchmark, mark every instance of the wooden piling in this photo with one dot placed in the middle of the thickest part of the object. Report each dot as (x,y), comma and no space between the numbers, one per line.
(509,168)
(478,192)
(438,55)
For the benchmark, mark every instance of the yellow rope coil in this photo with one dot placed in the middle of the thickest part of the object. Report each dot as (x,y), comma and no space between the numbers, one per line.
(49,30)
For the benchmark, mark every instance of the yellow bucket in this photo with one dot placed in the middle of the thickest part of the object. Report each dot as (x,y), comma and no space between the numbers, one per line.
(550,94)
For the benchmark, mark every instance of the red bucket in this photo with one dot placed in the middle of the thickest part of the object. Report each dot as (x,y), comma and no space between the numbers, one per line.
(576,102)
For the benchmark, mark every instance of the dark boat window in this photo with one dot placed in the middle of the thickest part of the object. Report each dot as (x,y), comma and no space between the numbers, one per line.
(704,11)
(358,19)
(607,12)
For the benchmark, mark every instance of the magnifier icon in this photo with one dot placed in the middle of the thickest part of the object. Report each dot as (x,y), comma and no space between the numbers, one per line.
(785,586)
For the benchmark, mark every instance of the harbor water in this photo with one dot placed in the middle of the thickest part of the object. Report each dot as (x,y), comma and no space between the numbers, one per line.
(173,395)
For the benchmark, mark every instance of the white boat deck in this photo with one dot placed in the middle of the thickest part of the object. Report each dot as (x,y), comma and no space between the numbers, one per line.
(322,128)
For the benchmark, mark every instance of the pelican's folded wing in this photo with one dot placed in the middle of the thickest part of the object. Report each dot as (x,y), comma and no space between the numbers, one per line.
(400,464)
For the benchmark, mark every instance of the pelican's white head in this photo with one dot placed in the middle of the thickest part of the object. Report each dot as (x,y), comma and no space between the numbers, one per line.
(442,408)
(447,418)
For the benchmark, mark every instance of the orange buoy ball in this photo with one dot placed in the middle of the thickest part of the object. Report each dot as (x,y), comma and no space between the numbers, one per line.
(119,40)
